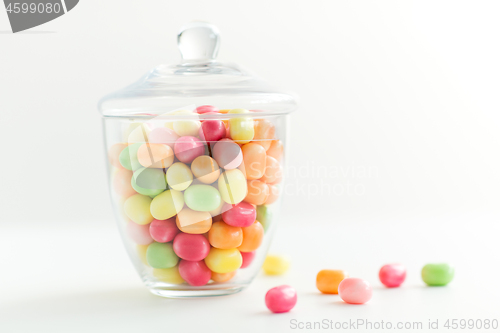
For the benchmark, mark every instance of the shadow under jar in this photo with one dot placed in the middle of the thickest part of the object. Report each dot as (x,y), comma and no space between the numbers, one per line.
(195,163)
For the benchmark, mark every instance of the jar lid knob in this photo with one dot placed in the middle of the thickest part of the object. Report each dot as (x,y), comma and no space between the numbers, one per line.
(198,42)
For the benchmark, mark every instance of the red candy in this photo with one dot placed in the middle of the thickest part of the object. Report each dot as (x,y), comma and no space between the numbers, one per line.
(240,215)
(191,247)
(392,275)
(187,148)
(206,108)
(247,258)
(212,130)
(281,299)
(163,231)
(196,273)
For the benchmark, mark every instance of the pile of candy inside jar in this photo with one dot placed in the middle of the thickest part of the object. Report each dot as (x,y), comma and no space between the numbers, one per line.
(196,193)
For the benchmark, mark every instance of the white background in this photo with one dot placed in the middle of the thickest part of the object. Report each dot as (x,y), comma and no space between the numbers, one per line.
(407,89)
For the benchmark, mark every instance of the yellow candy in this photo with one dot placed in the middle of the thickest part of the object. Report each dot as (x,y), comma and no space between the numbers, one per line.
(179,176)
(168,275)
(137,209)
(187,127)
(136,132)
(223,261)
(141,252)
(184,127)
(276,265)
(232,186)
(241,129)
(167,204)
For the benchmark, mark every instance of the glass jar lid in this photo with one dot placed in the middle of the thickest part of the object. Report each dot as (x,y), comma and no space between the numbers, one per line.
(198,80)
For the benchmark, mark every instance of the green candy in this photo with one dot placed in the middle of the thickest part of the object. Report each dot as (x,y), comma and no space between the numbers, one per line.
(161,255)
(264,216)
(202,198)
(128,157)
(438,274)
(149,181)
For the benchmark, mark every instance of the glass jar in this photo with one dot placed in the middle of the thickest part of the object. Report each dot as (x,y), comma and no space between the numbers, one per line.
(195,163)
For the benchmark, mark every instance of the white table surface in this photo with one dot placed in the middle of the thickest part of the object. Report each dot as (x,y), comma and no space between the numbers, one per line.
(77,278)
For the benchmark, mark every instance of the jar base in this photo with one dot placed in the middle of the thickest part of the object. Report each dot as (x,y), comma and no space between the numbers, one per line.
(170,292)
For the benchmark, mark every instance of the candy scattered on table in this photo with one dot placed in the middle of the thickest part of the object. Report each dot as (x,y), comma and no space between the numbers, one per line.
(328,280)
(392,275)
(281,299)
(438,274)
(276,265)
(355,291)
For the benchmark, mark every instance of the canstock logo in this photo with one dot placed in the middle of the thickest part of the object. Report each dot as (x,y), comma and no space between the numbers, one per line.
(26,14)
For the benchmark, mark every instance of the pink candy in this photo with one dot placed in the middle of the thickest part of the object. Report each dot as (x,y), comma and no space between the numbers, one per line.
(212,130)
(355,291)
(191,247)
(187,148)
(206,108)
(392,275)
(163,135)
(281,299)
(139,233)
(240,215)
(247,258)
(163,231)
(228,154)
(196,273)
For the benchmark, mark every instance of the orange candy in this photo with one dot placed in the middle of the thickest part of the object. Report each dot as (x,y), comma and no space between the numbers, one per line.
(205,169)
(193,222)
(258,192)
(327,280)
(114,154)
(264,132)
(274,194)
(276,150)
(223,277)
(122,183)
(278,179)
(254,160)
(155,155)
(224,236)
(273,171)
(252,237)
